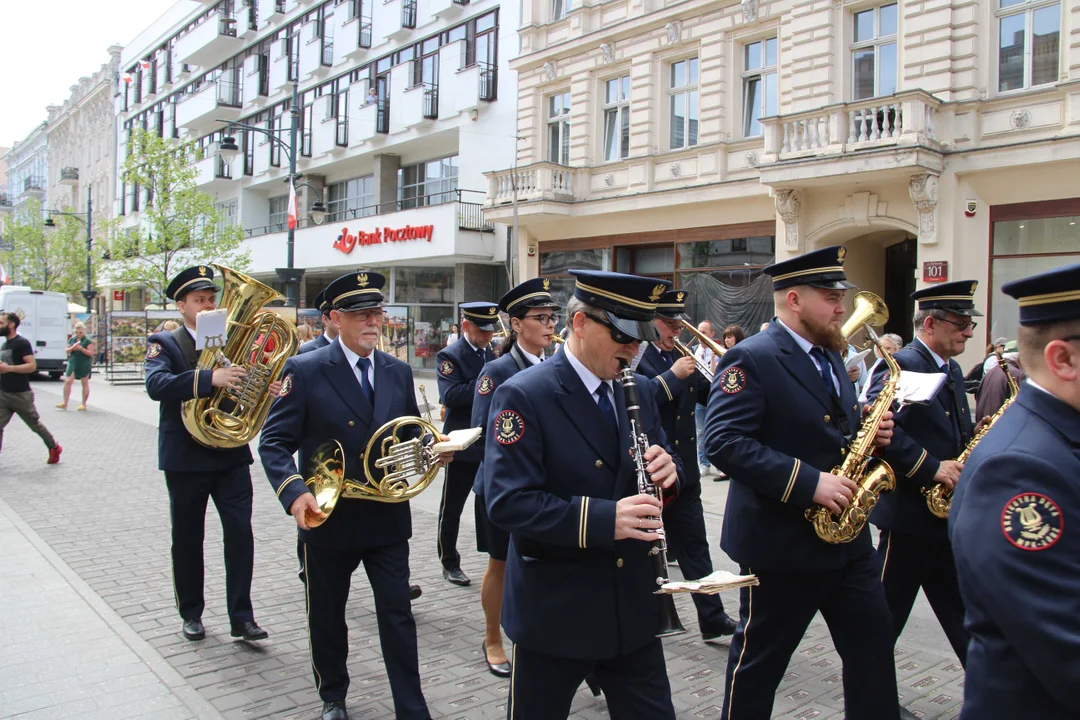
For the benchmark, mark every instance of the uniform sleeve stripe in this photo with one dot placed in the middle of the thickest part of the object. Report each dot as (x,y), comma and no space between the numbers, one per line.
(288,480)
(791,480)
(583,522)
(922,459)
(666,388)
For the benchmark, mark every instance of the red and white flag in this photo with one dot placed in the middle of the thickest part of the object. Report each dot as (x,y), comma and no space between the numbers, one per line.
(5,279)
(293,213)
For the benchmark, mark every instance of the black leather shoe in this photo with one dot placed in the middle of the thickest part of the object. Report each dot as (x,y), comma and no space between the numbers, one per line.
(415,592)
(194,630)
(727,627)
(334,711)
(594,686)
(249,631)
(497,669)
(456,576)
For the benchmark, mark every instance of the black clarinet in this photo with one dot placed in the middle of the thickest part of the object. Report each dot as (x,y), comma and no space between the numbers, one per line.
(639,444)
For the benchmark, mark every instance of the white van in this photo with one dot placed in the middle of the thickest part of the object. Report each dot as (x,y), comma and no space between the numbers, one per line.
(43,320)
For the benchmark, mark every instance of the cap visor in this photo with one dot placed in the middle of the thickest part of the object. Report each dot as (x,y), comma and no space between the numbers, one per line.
(201,285)
(967,312)
(834,285)
(642,330)
(486,327)
(357,306)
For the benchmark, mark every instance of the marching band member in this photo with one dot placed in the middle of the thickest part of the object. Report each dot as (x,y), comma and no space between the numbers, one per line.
(913,546)
(330,330)
(677,384)
(195,473)
(781,414)
(532,323)
(345,392)
(579,595)
(458,367)
(1017,557)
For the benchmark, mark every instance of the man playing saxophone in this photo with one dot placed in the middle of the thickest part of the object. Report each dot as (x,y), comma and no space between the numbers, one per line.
(914,546)
(781,414)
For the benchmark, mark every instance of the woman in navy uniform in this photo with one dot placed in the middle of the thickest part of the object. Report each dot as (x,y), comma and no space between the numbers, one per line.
(1012,523)
(677,385)
(458,367)
(781,414)
(345,392)
(195,473)
(532,325)
(579,594)
(914,547)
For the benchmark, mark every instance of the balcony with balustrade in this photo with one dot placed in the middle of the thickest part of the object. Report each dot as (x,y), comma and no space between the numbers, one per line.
(210,42)
(895,133)
(539,182)
(69,176)
(201,111)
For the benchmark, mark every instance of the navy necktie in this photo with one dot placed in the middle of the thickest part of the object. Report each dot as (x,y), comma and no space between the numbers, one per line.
(666,354)
(606,408)
(365,384)
(483,356)
(822,361)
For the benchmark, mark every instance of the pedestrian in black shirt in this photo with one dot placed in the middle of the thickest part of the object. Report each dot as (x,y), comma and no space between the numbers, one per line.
(16,363)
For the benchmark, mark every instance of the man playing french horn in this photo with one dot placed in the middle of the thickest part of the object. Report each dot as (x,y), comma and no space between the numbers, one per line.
(344,393)
(780,423)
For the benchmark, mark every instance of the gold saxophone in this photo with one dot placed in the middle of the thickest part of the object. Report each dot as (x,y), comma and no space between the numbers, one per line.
(231,418)
(873,476)
(939,497)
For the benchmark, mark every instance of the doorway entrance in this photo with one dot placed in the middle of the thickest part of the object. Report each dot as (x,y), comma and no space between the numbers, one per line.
(900,268)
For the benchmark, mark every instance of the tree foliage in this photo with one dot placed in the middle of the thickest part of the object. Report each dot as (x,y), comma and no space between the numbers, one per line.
(178,225)
(45,258)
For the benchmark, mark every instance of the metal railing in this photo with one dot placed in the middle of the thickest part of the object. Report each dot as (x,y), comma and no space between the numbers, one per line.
(489,81)
(279,6)
(327,51)
(33,183)
(364,40)
(382,115)
(5,201)
(228,92)
(431,101)
(408,14)
(69,173)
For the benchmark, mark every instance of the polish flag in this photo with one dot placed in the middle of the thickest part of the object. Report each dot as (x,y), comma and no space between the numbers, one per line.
(293,213)
(5,279)
(126,77)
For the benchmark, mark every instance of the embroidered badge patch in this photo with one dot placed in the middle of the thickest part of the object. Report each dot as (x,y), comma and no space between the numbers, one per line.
(509,427)
(733,380)
(152,351)
(286,386)
(446,367)
(1032,521)
(486,385)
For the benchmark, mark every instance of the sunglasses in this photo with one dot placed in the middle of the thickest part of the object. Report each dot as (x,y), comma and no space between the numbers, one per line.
(616,334)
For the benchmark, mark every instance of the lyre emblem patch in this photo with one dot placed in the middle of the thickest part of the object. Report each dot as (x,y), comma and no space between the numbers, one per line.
(733,380)
(362,280)
(485,386)
(509,427)
(152,351)
(286,386)
(656,293)
(1032,522)
(446,367)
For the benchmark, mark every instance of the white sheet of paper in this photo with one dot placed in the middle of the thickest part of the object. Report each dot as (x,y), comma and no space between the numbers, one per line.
(458,440)
(210,328)
(637,358)
(918,388)
(856,359)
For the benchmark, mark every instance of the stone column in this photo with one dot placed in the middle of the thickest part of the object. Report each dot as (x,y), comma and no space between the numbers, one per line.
(386,178)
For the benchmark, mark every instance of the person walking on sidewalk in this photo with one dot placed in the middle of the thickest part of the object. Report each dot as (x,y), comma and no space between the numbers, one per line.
(80,354)
(17,362)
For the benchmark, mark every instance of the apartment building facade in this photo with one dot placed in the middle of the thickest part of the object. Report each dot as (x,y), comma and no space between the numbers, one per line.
(28,169)
(699,141)
(402,108)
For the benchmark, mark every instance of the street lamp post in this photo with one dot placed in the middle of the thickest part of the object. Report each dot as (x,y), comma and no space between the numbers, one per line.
(89,293)
(289,275)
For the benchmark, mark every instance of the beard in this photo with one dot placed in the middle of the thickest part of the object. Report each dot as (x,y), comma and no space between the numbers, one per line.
(826,335)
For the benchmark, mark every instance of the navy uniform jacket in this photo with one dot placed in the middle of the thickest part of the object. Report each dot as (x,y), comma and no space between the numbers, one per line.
(171,379)
(678,405)
(314,344)
(1015,536)
(494,374)
(458,367)
(924,436)
(772,426)
(321,400)
(554,470)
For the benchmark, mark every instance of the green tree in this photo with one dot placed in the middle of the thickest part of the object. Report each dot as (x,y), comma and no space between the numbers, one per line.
(45,258)
(178,225)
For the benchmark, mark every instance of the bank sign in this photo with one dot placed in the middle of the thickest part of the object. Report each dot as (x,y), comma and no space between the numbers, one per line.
(346,241)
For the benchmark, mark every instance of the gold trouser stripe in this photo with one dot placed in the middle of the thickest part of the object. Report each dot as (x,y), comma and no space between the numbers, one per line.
(513,677)
(666,388)
(885,564)
(288,480)
(442,509)
(583,522)
(791,480)
(307,601)
(746,629)
(922,459)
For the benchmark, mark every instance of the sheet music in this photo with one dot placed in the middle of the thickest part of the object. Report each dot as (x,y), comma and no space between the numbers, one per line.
(919,388)
(856,359)
(210,329)
(710,584)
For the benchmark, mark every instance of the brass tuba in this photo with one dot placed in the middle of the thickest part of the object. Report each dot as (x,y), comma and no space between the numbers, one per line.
(939,496)
(873,476)
(231,418)
(388,451)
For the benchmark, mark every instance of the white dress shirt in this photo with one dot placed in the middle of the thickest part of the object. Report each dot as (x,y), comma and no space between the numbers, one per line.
(807,346)
(937,358)
(534,359)
(592,382)
(351,358)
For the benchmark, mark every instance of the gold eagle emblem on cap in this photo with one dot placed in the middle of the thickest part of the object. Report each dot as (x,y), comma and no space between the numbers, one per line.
(840,254)
(680,296)
(492,310)
(656,293)
(362,280)
(202,271)
(547,285)
(974,286)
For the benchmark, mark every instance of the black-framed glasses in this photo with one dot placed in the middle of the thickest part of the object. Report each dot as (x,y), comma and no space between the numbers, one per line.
(969,325)
(545,319)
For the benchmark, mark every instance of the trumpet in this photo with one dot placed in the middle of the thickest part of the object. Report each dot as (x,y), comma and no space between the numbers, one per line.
(705,340)
(702,367)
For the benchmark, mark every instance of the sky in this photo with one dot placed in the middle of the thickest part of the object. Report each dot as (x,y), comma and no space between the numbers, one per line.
(48,47)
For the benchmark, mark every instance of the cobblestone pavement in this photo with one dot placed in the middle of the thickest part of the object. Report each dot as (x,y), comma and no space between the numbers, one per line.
(103,512)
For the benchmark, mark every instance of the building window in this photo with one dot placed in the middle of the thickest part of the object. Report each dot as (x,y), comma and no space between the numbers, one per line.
(873,52)
(276,124)
(683,103)
(307,125)
(558,121)
(229,212)
(279,214)
(428,183)
(1028,43)
(760,94)
(617,118)
(559,8)
(351,199)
